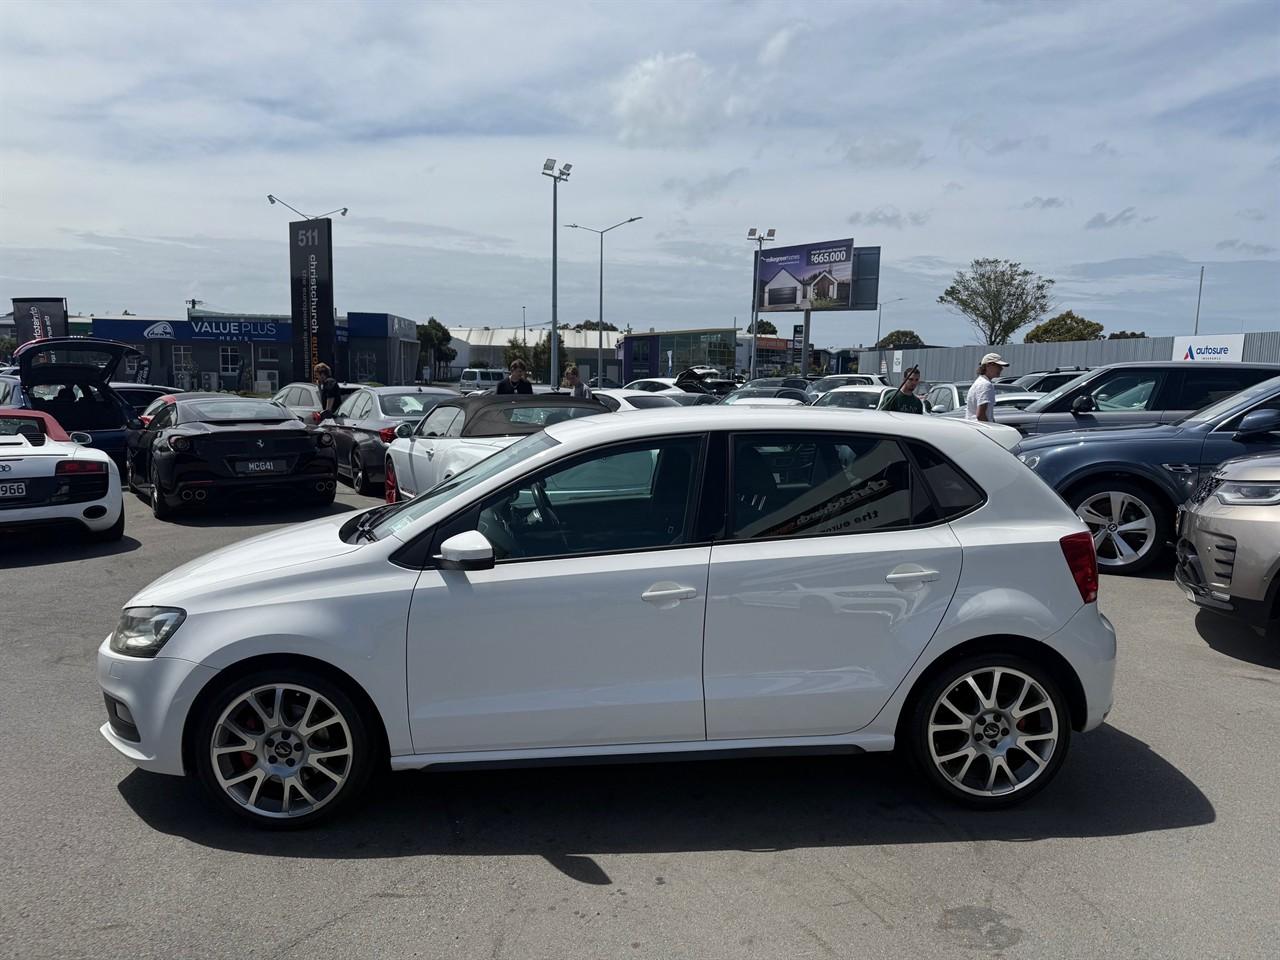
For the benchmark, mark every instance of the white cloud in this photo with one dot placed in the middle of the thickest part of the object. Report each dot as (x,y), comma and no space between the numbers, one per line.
(666,101)
(775,48)
(885,150)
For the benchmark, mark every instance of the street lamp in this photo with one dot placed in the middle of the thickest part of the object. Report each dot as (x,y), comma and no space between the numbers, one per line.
(549,170)
(600,313)
(759,239)
(272,199)
(879,312)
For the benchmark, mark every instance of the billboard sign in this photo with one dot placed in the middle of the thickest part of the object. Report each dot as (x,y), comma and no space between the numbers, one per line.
(813,276)
(311,295)
(38,318)
(196,330)
(1209,348)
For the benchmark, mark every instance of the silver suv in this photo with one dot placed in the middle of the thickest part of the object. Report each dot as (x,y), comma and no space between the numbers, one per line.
(1229,541)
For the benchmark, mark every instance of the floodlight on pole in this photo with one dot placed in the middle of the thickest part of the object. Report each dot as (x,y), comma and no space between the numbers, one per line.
(273,199)
(760,239)
(600,313)
(549,170)
(880,312)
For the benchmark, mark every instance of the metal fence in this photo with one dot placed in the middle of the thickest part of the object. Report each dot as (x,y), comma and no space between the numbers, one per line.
(945,364)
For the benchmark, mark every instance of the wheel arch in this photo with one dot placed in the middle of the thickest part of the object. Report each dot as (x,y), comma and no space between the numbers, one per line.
(218,681)
(1039,653)
(1168,499)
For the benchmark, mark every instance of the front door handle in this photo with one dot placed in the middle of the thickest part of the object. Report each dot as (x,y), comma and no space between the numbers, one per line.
(666,595)
(910,573)
(431,453)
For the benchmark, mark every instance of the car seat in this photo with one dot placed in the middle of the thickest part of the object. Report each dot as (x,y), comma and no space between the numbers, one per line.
(754,486)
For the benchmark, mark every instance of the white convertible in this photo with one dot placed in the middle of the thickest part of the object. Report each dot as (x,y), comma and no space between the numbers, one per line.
(50,478)
(458,433)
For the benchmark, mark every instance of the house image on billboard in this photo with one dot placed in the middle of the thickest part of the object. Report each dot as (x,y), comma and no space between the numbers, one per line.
(785,291)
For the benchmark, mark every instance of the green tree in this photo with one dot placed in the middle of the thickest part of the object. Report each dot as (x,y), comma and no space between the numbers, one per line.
(900,338)
(1118,335)
(7,346)
(999,297)
(767,329)
(513,351)
(540,359)
(434,339)
(592,325)
(1066,326)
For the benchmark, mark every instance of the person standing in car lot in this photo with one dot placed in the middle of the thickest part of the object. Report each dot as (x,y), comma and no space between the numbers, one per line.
(904,399)
(515,381)
(330,395)
(573,378)
(981,402)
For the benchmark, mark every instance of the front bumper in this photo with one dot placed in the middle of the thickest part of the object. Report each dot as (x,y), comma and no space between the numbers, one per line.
(1226,558)
(157,694)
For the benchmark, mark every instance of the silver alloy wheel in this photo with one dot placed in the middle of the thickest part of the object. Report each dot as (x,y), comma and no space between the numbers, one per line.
(1123,527)
(993,731)
(357,472)
(282,751)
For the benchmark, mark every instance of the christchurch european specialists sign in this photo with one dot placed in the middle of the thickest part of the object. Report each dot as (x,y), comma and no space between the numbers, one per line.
(311,294)
(1208,348)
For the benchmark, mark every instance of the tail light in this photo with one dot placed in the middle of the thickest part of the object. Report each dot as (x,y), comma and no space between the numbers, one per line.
(315,416)
(1083,563)
(388,434)
(80,466)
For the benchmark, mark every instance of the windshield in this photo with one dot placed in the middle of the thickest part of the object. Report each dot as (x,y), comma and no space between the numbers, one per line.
(742,396)
(1245,397)
(857,399)
(407,404)
(412,510)
(247,409)
(649,403)
(1053,396)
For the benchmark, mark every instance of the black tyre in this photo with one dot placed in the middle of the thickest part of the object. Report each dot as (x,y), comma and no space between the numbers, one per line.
(132,483)
(989,731)
(113,532)
(283,748)
(1129,523)
(160,508)
(359,476)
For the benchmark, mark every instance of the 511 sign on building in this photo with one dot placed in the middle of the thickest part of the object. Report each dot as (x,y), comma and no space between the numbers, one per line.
(311,295)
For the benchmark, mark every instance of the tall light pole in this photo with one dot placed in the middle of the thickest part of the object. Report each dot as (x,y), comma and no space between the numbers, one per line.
(600,312)
(879,313)
(759,239)
(273,199)
(524,336)
(549,170)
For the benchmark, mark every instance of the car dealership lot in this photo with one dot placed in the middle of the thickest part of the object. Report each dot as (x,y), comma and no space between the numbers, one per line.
(1157,839)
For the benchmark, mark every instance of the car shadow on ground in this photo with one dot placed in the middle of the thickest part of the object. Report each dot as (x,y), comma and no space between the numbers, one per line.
(36,548)
(1112,784)
(259,513)
(1239,640)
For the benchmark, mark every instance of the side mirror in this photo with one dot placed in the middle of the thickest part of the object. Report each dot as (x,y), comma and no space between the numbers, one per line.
(1257,422)
(81,438)
(466,551)
(404,430)
(133,423)
(1082,404)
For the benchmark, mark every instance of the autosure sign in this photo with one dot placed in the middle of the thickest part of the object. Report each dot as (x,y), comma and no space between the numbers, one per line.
(1208,348)
(38,318)
(815,276)
(311,294)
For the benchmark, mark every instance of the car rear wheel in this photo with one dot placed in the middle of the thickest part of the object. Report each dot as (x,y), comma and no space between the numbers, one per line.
(160,508)
(283,748)
(990,731)
(1129,524)
(359,479)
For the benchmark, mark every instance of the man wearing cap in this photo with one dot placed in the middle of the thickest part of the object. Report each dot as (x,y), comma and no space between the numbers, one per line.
(981,402)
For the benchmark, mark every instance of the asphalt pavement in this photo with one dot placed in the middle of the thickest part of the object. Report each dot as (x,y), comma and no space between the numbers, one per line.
(1159,838)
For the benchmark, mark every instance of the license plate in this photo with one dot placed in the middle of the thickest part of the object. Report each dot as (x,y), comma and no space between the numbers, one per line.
(13,489)
(260,466)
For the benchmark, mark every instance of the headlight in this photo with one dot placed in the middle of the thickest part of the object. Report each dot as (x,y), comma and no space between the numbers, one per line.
(1251,494)
(179,444)
(324,438)
(1030,459)
(142,631)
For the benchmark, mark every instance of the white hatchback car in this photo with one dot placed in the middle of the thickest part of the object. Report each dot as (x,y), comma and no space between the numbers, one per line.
(758,580)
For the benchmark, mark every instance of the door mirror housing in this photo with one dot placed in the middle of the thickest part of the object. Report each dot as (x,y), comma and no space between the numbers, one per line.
(404,430)
(1256,422)
(1082,404)
(82,438)
(466,551)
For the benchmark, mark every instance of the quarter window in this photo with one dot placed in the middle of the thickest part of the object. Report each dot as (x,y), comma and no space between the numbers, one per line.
(633,498)
(789,486)
(954,492)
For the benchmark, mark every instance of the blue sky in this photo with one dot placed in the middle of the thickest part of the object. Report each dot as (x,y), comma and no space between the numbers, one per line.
(1115,147)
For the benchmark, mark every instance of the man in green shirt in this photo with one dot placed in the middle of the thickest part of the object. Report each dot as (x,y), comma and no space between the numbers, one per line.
(904,399)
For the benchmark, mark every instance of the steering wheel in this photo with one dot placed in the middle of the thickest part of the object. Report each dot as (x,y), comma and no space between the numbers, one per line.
(539,490)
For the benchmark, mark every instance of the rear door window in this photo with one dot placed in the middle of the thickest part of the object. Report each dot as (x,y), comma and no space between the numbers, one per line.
(1203,386)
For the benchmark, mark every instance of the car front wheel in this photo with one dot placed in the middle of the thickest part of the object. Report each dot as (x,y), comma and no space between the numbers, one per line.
(990,731)
(1129,524)
(283,748)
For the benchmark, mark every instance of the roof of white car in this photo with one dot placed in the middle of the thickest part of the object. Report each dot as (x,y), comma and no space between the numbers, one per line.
(860,388)
(669,381)
(621,392)
(640,423)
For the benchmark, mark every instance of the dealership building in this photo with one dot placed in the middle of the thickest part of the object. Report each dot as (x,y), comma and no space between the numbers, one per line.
(236,351)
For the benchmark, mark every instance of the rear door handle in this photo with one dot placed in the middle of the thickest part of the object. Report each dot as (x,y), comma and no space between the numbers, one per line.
(911,575)
(668,594)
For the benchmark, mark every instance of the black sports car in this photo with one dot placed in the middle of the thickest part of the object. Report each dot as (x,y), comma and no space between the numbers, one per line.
(201,447)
